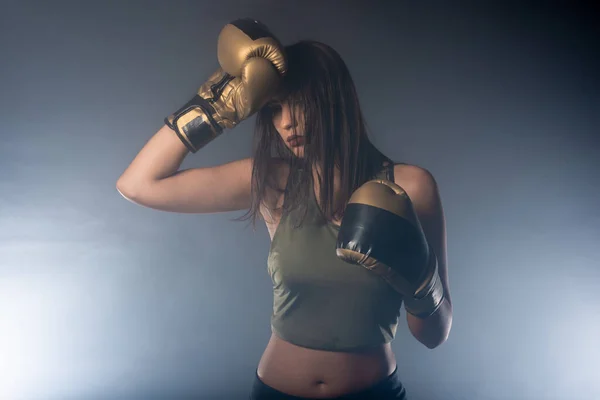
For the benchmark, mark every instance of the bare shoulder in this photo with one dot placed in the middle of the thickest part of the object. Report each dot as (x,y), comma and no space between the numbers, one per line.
(413,175)
(419,183)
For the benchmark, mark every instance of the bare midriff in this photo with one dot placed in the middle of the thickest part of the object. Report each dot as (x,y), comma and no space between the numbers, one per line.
(304,372)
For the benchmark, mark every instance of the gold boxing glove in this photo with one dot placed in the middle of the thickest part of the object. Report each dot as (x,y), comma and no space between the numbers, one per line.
(252,66)
(380,231)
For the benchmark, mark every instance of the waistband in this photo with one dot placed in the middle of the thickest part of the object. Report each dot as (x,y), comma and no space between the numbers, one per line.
(390,388)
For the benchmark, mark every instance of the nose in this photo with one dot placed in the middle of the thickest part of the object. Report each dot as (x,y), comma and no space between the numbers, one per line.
(284,119)
(289,125)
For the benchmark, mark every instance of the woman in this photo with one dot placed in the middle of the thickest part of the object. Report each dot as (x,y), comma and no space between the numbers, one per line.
(333,320)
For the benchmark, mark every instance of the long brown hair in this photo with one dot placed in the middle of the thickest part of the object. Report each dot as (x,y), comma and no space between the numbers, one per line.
(318,83)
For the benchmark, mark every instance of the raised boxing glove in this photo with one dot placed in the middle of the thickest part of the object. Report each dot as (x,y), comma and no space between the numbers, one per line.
(252,66)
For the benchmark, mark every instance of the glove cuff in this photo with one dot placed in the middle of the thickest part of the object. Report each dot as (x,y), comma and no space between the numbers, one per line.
(427,301)
(194,124)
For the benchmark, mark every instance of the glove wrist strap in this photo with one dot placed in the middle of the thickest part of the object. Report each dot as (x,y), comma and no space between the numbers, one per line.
(194,124)
(427,301)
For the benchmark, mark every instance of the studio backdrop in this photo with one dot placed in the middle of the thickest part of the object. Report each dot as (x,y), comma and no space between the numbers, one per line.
(104,299)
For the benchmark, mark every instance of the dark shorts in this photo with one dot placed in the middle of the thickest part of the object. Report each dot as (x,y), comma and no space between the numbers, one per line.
(388,389)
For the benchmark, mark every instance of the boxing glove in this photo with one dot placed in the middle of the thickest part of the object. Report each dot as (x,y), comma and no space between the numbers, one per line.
(381,231)
(252,64)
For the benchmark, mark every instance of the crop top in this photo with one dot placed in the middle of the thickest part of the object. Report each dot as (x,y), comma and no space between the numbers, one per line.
(320,301)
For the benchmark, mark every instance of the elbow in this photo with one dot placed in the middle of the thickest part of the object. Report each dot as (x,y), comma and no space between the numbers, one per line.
(121,186)
(441,334)
(433,331)
(433,340)
(434,343)
(125,190)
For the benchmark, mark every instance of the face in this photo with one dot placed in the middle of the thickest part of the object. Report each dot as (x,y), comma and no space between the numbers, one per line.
(291,130)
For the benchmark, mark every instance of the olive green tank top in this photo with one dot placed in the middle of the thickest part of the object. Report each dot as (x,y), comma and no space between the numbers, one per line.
(320,301)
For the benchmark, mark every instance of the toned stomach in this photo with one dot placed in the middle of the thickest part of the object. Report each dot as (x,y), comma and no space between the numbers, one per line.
(303,372)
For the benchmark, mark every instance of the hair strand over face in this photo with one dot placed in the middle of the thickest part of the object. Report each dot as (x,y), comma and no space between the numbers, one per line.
(320,90)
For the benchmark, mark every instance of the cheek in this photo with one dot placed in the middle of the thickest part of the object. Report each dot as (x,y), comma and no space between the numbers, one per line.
(276,121)
(279,131)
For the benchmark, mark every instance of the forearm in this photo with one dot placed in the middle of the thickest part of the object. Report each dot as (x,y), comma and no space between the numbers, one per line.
(432,331)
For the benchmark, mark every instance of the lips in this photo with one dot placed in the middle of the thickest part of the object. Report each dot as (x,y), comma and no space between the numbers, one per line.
(295,140)
(294,137)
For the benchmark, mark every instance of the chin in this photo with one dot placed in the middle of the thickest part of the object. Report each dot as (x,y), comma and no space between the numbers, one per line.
(298,152)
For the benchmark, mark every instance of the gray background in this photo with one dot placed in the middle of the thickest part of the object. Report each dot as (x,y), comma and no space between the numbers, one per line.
(103,299)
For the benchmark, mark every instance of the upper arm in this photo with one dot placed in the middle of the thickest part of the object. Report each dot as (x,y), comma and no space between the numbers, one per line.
(422,189)
(221,188)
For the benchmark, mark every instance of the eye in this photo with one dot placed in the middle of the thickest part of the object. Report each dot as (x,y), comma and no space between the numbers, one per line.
(274,108)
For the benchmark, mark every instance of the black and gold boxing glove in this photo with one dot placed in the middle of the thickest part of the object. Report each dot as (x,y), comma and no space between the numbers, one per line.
(252,66)
(380,231)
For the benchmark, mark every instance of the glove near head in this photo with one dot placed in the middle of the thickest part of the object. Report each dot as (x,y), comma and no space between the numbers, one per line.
(252,66)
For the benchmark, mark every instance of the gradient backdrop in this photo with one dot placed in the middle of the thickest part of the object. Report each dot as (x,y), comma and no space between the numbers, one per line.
(102,299)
